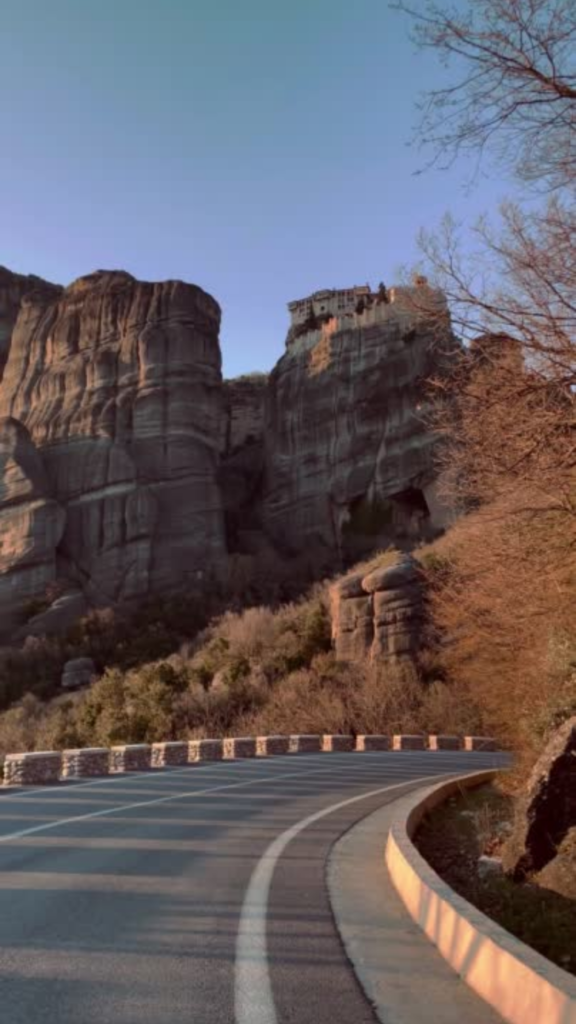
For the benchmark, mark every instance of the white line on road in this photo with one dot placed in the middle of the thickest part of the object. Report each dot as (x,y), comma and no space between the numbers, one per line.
(253,999)
(68,786)
(152,775)
(254,780)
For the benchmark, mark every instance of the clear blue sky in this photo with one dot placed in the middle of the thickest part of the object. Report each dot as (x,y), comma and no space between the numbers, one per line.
(258,148)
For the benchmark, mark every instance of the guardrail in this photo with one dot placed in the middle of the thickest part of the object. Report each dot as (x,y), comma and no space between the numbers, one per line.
(47,767)
(519,983)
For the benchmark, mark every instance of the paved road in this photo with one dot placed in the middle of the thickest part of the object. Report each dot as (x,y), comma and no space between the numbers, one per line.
(194,895)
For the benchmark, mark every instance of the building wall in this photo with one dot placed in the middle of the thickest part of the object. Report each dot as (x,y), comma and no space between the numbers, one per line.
(331,301)
(407,305)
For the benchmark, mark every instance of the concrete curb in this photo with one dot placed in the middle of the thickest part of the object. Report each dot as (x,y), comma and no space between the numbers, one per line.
(520,984)
(403,975)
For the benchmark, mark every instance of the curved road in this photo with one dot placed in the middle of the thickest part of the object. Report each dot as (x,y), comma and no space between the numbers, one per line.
(189,896)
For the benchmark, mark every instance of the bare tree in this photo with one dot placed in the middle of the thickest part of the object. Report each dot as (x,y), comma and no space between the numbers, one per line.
(516,85)
(503,603)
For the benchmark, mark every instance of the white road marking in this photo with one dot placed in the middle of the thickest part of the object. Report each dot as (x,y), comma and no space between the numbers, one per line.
(151,774)
(253,999)
(254,780)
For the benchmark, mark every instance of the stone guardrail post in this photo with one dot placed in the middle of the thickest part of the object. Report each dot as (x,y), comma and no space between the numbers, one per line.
(239,746)
(441,742)
(404,741)
(337,743)
(305,743)
(205,750)
(85,762)
(170,754)
(366,743)
(38,768)
(269,745)
(480,743)
(131,757)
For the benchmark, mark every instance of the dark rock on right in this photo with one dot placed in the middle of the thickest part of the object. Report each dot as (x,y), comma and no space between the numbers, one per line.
(542,846)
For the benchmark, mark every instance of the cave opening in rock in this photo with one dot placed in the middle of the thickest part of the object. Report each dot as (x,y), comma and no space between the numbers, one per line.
(413,502)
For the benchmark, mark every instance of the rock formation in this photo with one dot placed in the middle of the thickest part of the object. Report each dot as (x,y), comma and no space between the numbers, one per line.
(543,843)
(13,288)
(129,469)
(31,522)
(78,672)
(348,454)
(242,460)
(112,394)
(377,614)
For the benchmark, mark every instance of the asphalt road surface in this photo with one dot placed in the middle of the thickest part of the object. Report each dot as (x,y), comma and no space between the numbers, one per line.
(189,896)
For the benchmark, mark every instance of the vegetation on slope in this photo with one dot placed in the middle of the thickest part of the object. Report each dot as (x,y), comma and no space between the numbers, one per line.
(256,671)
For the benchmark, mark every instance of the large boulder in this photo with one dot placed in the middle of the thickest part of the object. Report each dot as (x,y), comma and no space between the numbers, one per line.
(378,616)
(118,384)
(78,672)
(543,843)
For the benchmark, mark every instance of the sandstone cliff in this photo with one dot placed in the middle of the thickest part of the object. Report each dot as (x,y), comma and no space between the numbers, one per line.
(349,457)
(128,468)
(118,386)
(242,460)
(13,288)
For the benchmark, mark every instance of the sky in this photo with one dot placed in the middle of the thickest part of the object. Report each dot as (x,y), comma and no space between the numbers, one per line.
(258,148)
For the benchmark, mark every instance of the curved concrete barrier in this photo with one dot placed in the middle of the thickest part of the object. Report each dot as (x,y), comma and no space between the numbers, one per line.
(522,986)
(47,767)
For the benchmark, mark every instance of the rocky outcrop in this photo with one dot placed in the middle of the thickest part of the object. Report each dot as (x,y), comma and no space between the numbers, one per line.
(349,456)
(13,288)
(129,469)
(31,522)
(378,615)
(112,393)
(78,672)
(543,842)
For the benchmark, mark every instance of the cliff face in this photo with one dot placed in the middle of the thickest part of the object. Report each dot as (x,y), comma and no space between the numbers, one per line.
(117,384)
(128,468)
(13,288)
(242,460)
(348,455)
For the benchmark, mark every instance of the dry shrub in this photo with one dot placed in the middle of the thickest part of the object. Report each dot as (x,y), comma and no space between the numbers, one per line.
(250,633)
(502,607)
(335,696)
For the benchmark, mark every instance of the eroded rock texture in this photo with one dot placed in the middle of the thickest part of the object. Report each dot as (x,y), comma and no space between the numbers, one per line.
(348,454)
(31,521)
(242,460)
(116,384)
(378,615)
(543,843)
(13,288)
